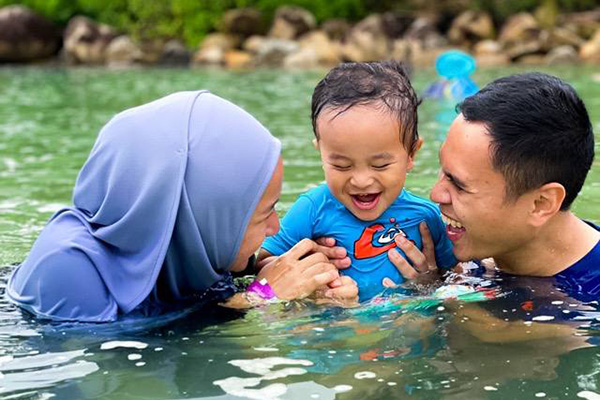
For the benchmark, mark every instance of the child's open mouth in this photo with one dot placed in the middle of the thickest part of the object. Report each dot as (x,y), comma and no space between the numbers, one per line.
(366,201)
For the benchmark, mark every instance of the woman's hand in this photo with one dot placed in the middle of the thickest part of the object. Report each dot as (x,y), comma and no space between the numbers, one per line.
(299,272)
(423,268)
(343,293)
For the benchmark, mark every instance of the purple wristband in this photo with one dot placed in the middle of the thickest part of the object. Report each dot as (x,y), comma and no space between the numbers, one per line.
(262,289)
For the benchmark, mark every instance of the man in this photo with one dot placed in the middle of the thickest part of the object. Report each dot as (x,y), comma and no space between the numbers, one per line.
(514,160)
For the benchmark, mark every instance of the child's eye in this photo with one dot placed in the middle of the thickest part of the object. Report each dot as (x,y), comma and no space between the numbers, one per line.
(383,166)
(341,167)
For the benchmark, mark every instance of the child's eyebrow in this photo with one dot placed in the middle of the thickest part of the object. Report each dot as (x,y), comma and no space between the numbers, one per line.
(336,156)
(382,156)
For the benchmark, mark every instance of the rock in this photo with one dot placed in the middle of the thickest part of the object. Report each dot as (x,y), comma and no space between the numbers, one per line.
(583,23)
(471,27)
(424,29)
(306,58)
(223,41)
(563,36)
(395,25)
(151,51)
(486,47)
(524,49)
(336,29)
(175,54)
(253,43)
(562,55)
(213,48)
(244,22)
(547,13)
(327,52)
(291,22)
(590,51)
(237,59)
(367,41)
(123,52)
(85,41)
(25,35)
(489,53)
(518,29)
(272,52)
(532,59)
(209,56)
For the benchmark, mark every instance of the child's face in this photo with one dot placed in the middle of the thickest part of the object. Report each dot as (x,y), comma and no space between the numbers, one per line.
(364,159)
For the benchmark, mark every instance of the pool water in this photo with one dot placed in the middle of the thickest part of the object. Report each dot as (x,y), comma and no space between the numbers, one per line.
(410,348)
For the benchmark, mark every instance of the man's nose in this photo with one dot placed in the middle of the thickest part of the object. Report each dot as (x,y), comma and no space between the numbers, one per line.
(439,193)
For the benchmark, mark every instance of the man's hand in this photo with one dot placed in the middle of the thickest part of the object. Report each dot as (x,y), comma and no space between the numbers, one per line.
(424,269)
(299,272)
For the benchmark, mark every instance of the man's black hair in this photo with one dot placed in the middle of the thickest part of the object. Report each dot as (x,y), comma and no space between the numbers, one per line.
(381,84)
(540,132)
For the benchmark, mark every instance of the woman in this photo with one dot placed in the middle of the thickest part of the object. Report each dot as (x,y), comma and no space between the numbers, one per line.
(175,194)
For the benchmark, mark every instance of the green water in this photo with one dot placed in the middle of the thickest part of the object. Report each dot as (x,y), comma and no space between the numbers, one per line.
(49,119)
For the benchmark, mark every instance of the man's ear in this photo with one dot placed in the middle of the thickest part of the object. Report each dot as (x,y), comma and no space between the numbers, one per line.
(547,202)
(411,158)
(316,144)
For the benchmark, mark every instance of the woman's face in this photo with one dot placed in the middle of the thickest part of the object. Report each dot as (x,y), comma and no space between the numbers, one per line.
(263,223)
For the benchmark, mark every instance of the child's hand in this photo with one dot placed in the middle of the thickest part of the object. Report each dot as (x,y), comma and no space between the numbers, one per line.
(337,255)
(343,292)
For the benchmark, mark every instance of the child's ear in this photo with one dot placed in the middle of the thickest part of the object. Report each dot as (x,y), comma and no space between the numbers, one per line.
(316,144)
(411,157)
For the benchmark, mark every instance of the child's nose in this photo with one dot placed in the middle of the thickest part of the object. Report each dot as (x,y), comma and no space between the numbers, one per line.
(361,180)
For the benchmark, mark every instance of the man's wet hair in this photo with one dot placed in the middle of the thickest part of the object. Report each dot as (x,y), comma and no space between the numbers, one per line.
(540,132)
(382,84)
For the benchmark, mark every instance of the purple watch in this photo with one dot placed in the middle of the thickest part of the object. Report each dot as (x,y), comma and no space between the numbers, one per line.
(262,289)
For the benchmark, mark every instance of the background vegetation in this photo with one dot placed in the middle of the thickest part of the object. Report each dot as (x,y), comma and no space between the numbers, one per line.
(190,20)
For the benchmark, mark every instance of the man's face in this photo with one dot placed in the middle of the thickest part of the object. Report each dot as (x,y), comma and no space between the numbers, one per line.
(364,159)
(264,221)
(481,222)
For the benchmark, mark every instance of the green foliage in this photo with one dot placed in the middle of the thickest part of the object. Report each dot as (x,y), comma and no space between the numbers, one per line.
(191,20)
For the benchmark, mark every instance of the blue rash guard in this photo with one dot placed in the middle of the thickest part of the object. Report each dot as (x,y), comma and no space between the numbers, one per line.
(318,213)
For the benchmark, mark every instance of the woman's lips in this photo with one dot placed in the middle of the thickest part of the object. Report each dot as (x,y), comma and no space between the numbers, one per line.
(366,201)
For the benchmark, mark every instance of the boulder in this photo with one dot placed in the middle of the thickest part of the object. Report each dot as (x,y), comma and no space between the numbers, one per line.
(151,51)
(213,48)
(563,36)
(532,59)
(244,22)
(590,51)
(395,25)
(519,28)
(327,51)
(209,56)
(85,41)
(489,53)
(254,43)
(291,22)
(306,58)
(123,52)
(583,23)
(366,41)
(25,35)
(272,52)
(471,27)
(237,59)
(520,50)
(336,28)
(562,55)
(424,29)
(174,53)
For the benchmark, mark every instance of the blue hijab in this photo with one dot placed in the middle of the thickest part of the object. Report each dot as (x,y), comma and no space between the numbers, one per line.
(171,184)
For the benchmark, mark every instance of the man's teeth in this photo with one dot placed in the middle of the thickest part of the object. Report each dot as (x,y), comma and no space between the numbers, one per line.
(451,222)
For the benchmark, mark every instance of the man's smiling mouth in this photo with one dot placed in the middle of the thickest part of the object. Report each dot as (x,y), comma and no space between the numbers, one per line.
(449,221)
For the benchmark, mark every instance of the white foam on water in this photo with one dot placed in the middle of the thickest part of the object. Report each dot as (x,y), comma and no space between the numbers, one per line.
(365,375)
(134,356)
(588,395)
(558,302)
(140,364)
(127,344)
(542,318)
(267,349)
(490,388)
(540,394)
(342,388)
